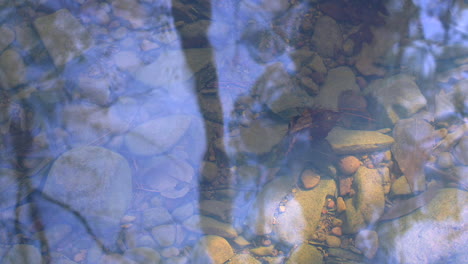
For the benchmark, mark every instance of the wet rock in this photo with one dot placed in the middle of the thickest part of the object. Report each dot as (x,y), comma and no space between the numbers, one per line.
(444,106)
(395,98)
(63,35)
(400,187)
(349,165)
(127,60)
(443,219)
(302,213)
(155,216)
(333,241)
(460,173)
(169,175)
(143,255)
(22,254)
(264,44)
(171,68)
(460,152)
(158,135)
(305,253)
(272,134)
(8,36)
(338,80)
(131,11)
(96,90)
(210,226)
(88,123)
(12,69)
(183,212)
(212,249)
(54,234)
(353,220)
(340,204)
(327,37)
(115,259)
(10,185)
(260,216)
(263,251)
(309,179)
(164,235)
(244,259)
(370,198)
(241,241)
(368,242)
(218,209)
(345,141)
(414,140)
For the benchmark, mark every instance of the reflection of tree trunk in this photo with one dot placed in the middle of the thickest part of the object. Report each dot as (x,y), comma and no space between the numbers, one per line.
(209,105)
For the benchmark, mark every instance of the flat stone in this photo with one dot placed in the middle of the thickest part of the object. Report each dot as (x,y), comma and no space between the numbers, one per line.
(158,135)
(22,254)
(210,226)
(12,69)
(305,253)
(93,181)
(63,35)
(395,98)
(338,80)
(272,134)
(155,216)
(370,198)
(8,36)
(212,250)
(164,235)
(143,255)
(172,67)
(327,37)
(301,216)
(442,219)
(345,141)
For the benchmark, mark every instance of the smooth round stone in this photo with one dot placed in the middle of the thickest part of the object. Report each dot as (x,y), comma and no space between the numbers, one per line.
(349,164)
(309,179)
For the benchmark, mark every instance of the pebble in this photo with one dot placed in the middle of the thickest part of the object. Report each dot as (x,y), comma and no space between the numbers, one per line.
(309,179)
(340,204)
(337,231)
(333,241)
(330,204)
(349,164)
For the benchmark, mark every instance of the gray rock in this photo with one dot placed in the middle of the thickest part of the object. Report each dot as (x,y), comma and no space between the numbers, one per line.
(143,255)
(368,242)
(338,80)
(22,254)
(345,141)
(10,186)
(58,258)
(244,259)
(156,216)
(461,172)
(115,259)
(305,253)
(94,182)
(212,250)
(131,11)
(164,235)
(460,152)
(327,37)
(63,35)
(96,90)
(260,217)
(445,160)
(444,106)
(370,198)
(169,175)
(170,67)
(414,141)
(54,234)
(8,36)
(209,226)
(394,98)
(158,135)
(416,238)
(302,213)
(183,212)
(12,69)
(271,135)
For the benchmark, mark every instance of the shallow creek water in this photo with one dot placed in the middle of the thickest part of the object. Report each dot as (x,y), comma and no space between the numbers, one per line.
(283,131)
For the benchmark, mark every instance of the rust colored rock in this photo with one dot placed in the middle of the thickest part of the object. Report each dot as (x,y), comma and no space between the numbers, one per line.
(345,186)
(349,165)
(337,231)
(309,179)
(330,204)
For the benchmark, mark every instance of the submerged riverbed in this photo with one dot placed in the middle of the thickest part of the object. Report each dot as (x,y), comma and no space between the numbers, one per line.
(285,131)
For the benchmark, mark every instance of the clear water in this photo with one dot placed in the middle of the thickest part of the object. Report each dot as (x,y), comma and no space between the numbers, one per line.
(193,131)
